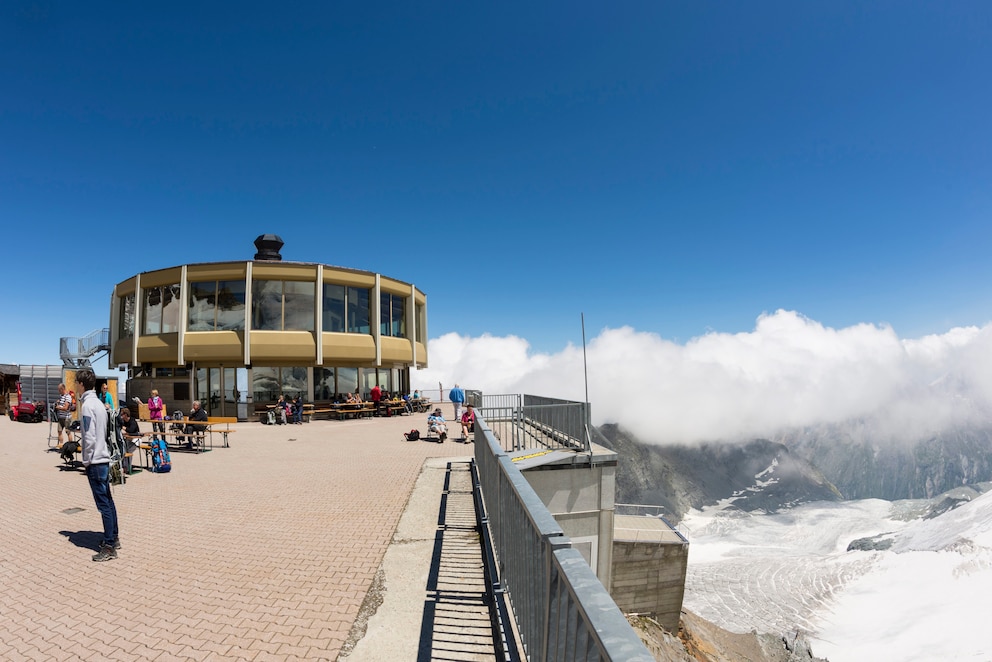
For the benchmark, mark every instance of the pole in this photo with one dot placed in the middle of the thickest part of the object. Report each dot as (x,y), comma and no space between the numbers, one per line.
(585,368)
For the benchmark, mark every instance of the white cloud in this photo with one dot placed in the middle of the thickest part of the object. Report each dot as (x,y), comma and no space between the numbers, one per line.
(789,371)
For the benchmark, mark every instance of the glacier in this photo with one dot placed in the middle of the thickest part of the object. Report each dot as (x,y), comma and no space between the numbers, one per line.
(924,598)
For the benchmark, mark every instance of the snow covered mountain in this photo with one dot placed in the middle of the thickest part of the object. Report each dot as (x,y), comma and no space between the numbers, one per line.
(923,598)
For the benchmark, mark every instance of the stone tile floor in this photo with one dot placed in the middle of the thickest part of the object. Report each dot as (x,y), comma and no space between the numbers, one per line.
(261,551)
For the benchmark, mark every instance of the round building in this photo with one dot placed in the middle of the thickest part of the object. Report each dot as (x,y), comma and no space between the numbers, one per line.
(237,335)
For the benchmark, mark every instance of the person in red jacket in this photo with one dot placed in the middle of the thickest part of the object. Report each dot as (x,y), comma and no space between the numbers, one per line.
(376,398)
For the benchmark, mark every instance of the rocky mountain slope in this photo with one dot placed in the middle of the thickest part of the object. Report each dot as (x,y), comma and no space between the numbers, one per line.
(830,462)
(758,475)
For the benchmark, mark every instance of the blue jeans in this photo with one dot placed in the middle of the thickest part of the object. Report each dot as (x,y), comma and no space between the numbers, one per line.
(99,477)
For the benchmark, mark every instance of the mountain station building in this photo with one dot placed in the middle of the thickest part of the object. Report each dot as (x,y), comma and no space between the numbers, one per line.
(236,335)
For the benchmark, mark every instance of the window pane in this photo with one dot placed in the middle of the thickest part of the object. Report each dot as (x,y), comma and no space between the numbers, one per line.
(347,380)
(385,309)
(299,309)
(265,384)
(127,316)
(398,318)
(266,305)
(368,380)
(333,308)
(324,387)
(202,306)
(170,308)
(294,382)
(230,305)
(358,310)
(152,313)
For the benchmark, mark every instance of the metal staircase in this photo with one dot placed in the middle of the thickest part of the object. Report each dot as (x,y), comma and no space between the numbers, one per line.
(79,352)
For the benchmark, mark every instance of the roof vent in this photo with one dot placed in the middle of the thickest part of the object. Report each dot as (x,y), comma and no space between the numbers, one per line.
(268,246)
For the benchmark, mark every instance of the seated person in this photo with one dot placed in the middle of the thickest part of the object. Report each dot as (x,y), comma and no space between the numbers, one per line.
(282,410)
(437,425)
(468,421)
(197,414)
(407,404)
(129,435)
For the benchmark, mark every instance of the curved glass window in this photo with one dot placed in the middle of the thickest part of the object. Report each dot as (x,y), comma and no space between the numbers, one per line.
(346,309)
(358,310)
(333,308)
(217,306)
(126,329)
(282,305)
(161,310)
(392,315)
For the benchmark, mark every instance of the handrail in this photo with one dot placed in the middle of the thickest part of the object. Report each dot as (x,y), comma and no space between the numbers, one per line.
(561,609)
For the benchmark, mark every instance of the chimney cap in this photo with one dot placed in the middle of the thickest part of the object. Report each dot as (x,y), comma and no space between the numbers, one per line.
(268,246)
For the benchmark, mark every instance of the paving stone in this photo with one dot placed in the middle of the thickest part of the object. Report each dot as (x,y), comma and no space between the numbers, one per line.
(264,550)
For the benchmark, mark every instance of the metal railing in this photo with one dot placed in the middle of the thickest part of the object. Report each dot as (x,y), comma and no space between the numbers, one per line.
(561,610)
(77,352)
(528,421)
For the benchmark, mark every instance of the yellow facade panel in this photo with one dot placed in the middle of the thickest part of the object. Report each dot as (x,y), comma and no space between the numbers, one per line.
(217,271)
(349,278)
(396,350)
(219,346)
(280,271)
(162,348)
(394,286)
(283,348)
(169,276)
(126,287)
(348,348)
(121,353)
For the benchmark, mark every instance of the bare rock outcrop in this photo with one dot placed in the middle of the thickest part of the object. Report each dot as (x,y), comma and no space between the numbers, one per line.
(699,640)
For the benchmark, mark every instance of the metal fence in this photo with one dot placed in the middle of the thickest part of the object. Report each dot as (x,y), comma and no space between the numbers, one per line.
(79,351)
(561,609)
(528,421)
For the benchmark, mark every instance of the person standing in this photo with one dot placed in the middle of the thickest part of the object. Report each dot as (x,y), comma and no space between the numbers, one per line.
(155,414)
(457,397)
(376,398)
(63,412)
(96,460)
(106,398)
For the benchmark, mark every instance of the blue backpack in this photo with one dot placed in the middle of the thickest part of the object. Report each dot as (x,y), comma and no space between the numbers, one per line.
(161,462)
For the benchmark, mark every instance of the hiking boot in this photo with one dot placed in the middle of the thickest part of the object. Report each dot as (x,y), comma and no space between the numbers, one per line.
(106,553)
(117,543)
(444,435)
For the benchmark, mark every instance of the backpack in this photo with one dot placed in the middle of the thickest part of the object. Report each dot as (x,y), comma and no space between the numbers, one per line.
(161,462)
(412,435)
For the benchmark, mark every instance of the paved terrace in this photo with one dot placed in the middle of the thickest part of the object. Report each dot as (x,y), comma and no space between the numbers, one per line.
(262,551)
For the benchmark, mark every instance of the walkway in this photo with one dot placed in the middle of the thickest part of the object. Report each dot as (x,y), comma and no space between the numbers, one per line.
(262,551)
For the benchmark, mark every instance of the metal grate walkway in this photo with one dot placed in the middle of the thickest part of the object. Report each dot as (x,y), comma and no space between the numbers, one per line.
(456,622)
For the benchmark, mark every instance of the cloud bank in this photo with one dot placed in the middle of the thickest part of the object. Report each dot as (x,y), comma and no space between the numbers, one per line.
(790,371)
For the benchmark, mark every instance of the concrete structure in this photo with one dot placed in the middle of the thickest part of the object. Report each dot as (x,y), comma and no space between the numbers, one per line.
(579,490)
(649,564)
(238,334)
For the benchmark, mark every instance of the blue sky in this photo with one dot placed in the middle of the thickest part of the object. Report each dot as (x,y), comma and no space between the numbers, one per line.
(679,168)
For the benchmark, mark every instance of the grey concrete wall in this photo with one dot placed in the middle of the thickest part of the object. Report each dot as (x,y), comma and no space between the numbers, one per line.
(582,500)
(649,578)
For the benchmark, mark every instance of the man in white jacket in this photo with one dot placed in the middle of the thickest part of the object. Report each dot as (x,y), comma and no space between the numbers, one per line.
(96,459)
